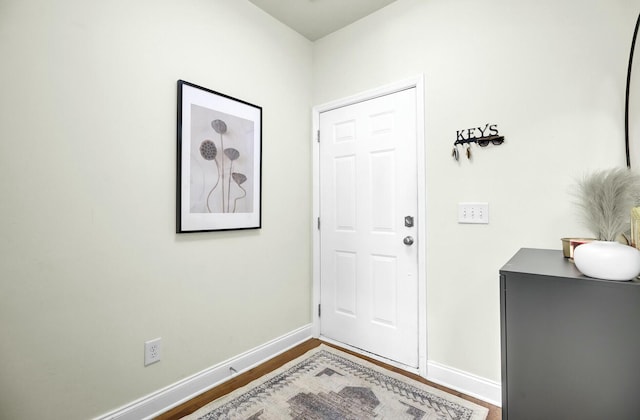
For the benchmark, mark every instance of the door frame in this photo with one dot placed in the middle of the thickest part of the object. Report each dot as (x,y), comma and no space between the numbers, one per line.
(417,83)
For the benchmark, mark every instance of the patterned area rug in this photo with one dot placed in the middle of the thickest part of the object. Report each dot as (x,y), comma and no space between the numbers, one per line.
(327,384)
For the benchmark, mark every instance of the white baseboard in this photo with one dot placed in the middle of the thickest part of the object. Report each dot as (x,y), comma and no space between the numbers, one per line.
(188,388)
(467,383)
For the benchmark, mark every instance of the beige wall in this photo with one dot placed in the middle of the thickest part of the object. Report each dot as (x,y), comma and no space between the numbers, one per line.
(551,75)
(90,266)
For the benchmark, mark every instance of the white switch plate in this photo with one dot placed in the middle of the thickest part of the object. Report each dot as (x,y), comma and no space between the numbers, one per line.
(473,213)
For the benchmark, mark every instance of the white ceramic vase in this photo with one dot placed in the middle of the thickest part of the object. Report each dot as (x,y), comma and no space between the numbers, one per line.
(607,260)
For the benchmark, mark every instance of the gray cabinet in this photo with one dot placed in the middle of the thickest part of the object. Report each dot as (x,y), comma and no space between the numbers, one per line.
(570,344)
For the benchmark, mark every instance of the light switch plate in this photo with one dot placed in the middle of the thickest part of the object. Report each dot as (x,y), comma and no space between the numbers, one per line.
(475,213)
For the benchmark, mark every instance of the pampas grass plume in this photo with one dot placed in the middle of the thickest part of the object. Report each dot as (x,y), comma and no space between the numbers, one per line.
(605,199)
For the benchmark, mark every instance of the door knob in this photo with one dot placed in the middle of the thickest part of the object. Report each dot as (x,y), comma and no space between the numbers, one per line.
(408,240)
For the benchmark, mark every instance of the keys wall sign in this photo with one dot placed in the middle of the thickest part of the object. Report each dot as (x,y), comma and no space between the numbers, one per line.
(482,136)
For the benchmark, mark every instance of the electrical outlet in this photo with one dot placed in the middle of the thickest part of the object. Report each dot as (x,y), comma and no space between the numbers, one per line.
(152,351)
(473,213)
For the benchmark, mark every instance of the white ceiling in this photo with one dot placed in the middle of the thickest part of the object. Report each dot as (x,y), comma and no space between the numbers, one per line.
(317,18)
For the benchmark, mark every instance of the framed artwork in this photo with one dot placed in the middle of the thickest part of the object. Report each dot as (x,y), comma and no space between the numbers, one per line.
(219,171)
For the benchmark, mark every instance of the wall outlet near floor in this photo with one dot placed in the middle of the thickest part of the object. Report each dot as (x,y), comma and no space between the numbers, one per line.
(152,351)
(473,213)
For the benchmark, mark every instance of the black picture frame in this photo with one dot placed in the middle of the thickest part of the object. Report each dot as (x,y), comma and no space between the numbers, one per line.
(219,161)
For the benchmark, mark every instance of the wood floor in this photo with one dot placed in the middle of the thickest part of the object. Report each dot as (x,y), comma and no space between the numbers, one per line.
(495,413)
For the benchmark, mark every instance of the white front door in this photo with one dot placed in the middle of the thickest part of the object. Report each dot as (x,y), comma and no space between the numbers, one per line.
(368,226)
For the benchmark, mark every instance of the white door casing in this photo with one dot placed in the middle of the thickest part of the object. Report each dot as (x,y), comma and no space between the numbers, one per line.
(369,175)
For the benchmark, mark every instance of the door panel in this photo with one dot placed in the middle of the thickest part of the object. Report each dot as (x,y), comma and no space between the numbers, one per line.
(385,290)
(345,200)
(346,289)
(368,184)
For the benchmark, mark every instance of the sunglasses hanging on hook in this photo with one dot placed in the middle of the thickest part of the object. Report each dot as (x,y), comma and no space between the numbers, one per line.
(495,140)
